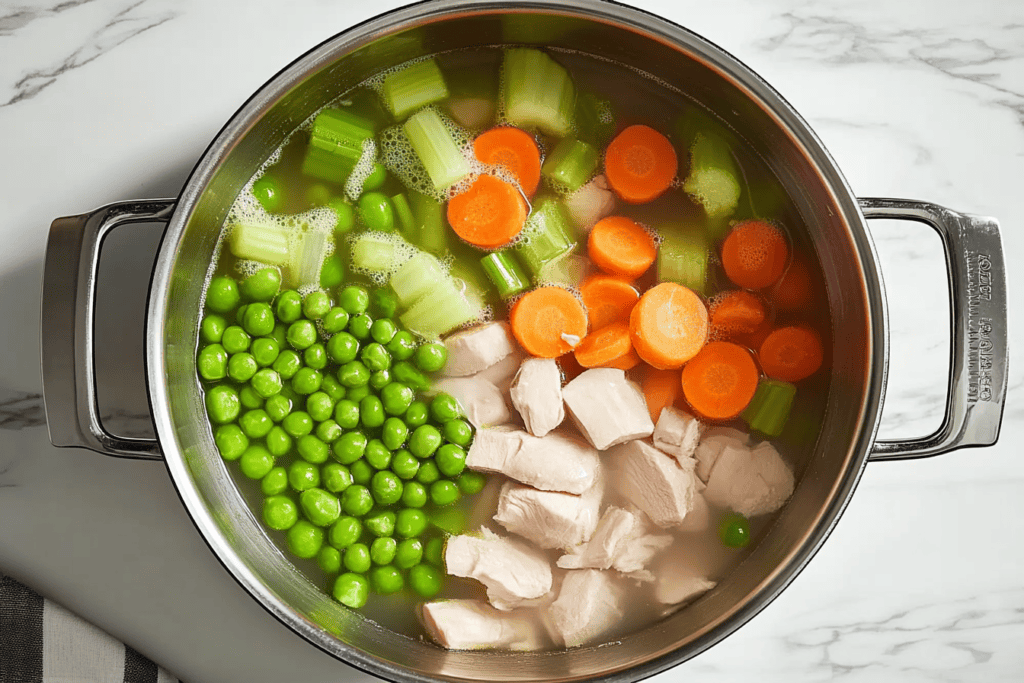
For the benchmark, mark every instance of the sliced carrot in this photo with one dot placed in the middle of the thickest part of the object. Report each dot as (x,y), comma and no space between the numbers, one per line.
(720,380)
(669,325)
(542,316)
(794,291)
(608,299)
(489,214)
(513,149)
(754,254)
(791,353)
(620,246)
(608,347)
(754,339)
(735,313)
(661,389)
(640,164)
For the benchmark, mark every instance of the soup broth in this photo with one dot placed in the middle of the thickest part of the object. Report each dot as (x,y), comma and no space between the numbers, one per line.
(355,222)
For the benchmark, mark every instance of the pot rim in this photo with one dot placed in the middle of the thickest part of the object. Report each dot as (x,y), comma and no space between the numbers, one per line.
(653,27)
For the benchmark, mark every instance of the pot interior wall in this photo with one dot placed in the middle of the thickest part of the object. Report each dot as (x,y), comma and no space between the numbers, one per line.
(613,32)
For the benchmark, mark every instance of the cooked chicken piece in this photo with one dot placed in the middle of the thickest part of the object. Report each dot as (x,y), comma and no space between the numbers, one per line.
(549,519)
(677,433)
(480,347)
(698,519)
(552,463)
(504,371)
(608,408)
(655,482)
(481,401)
(536,393)
(750,482)
(513,572)
(678,584)
(621,541)
(588,606)
(589,204)
(710,447)
(475,625)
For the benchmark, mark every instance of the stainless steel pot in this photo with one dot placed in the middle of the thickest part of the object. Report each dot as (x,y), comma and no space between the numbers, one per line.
(838,234)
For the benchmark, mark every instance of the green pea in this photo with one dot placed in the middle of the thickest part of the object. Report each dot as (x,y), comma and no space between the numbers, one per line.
(428,473)
(414,494)
(266,383)
(280,512)
(404,464)
(265,350)
(351,590)
(376,211)
(306,381)
(336,477)
(396,398)
(315,356)
(359,326)
(222,404)
(304,539)
(312,449)
(417,414)
(356,500)
(256,461)
(386,580)
(381,524)
(406,373)
(377,454)
(425,580)
(301,334)
(371,412)
(410,522)
(278,442)
(274,482)
(332,387)
(212,362)
(212,328)
(431,357)
(231,441)
(346,413)
(287,364)
(346,218)
(332,272)
(450,459)
(278,407)
(336,320)
(303,475)
(386,487)
(280,335)
(262,285)
(383,304)
(241,367)
(222,294)
(270,192)
(380,379)
(375,357)
(319,506)
(458,432)
(297,424)
(354,299)
(383,331)
(350,447)
(357,394)
(328,431)
(235,339)
(316,305)
(470,482)
(394,433)
(376,178)
(288,306)
(357,558)
(444,408)
(409,553)
(734,531)
(345,532)
(353,374)
(329,559)
(342,348)
(433,552)
(240,314)
(444,492)
(383,550)
(256,423)
(258,320)
(319,406)
(424,441)
(249,398)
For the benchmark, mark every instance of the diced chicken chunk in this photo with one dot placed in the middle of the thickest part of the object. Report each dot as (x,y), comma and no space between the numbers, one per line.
(475,625)
(481,401)
(477,348)
(552,463)
(677,433)
(589,204)
(608,408)
(621,541)
(504,371)
(513,572)
(536,393)
(711,446)
(655,482)
(750,482)
(678,584)
(698,519)
(549,519)
(588,606)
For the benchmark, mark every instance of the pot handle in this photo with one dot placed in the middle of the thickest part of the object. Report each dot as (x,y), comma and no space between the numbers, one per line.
(979,356)
(68,316)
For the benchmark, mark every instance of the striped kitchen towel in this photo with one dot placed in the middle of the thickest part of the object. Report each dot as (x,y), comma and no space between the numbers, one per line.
(41,642)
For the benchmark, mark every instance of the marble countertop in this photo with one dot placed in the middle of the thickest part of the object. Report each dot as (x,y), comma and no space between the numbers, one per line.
(103,100)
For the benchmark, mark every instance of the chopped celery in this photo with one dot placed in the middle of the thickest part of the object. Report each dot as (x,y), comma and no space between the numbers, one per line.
(305,264)
(441,309)
(436,148)
(683,256)
(504,271)
(696,120)
(595,121)
(538,92)
(466,267)
(416,277)
(769,408)
(570,164)
(415,86)
(363,167)
(713,178)
(546,236)
(430,233)
(263,242)
(570,270)
(335,144)
(376,252)
(403,213)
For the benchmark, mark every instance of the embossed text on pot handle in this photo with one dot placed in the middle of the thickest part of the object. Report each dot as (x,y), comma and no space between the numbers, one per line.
(68,315)
(979,356)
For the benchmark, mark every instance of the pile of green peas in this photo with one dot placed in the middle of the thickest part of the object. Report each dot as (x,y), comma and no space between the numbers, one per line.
(320,400)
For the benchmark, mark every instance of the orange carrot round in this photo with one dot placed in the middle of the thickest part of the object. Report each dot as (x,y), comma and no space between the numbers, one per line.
(669,325)
(661,389)
(542,316)
(608,347)
(791,353)
(513,149)
(620,246)
(720,380)
(640,164)
(608,299)
(794,291)
(735,313)
(754,254)
(489,214)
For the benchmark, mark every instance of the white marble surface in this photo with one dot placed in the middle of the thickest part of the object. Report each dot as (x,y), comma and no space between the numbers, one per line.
(102,100)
